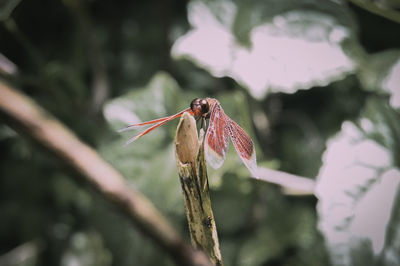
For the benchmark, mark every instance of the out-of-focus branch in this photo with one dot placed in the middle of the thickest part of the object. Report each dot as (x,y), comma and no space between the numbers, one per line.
(28,118)
(291,184)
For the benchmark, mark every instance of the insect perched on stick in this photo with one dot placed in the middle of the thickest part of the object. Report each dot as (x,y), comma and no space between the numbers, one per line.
(221,127)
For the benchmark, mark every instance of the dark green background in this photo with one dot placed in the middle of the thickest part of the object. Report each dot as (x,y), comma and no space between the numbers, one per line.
(60,46)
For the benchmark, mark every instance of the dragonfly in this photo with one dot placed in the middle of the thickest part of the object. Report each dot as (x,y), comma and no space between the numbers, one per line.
(220,128)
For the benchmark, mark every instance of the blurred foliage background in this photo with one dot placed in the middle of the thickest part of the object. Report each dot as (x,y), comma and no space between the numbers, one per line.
(315,83)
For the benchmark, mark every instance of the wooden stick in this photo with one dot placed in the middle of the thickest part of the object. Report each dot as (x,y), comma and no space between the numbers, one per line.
(21,113)
(189,151)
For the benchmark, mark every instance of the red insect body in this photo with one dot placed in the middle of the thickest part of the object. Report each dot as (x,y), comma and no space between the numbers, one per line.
(221,127)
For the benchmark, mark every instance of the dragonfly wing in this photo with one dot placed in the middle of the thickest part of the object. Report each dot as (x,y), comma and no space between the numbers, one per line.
(216,142)
(243,144)
(156,122)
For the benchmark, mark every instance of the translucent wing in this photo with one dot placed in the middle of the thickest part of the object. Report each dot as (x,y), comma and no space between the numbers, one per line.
(157,122)
(243,144)
(216,142)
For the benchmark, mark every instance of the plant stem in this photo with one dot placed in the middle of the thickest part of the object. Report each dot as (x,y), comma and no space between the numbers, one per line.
(189,151)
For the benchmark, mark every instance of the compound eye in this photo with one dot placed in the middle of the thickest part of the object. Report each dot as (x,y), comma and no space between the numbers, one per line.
(194,103)
(204,106)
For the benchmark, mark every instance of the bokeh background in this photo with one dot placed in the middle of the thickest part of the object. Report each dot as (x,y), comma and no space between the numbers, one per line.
(315,83)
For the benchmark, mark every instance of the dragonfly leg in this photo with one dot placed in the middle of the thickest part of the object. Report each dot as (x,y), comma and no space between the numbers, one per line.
(203,123)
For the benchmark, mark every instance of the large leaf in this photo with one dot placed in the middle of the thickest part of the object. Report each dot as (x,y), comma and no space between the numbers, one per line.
(358,188)
(296,49)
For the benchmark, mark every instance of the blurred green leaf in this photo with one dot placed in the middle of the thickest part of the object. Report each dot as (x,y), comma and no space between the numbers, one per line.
(251,14)
(149,163)
(287,51)
(357,187)
(87,248)
(160,97)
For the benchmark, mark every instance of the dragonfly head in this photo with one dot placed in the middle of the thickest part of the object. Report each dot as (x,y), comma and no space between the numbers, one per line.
(200,107)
